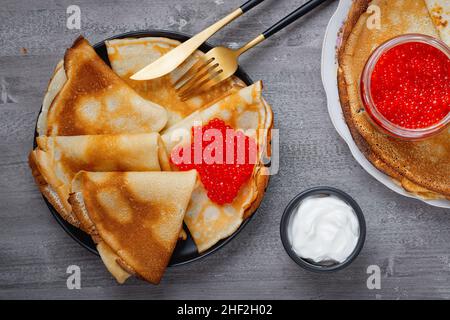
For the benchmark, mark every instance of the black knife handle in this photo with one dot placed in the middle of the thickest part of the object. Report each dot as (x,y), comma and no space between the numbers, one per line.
(250,4)
(293,16)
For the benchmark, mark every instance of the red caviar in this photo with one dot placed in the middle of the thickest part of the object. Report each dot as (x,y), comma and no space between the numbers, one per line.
(410,85)
(221,175)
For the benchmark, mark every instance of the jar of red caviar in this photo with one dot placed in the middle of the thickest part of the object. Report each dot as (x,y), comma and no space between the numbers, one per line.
(405,86)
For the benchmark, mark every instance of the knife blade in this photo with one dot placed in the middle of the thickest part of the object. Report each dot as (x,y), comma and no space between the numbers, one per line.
(171,60)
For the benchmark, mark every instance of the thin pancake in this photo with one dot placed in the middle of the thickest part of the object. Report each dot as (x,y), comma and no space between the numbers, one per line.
(440,13)
(56,160)
(422,167)
(86,97)
(138,215)
(244,110)
(128,56)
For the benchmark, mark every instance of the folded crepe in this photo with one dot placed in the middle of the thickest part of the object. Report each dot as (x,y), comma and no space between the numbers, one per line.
(134,217)
(127,56)
(85,96)
(244,109)
(421,167)
(57,159)
(207,221)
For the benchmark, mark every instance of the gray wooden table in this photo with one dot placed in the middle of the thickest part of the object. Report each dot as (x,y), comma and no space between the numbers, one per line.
(408,240)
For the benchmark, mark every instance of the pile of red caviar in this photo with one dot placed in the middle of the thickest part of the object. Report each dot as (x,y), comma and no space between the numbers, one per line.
(222,180)
(410,85)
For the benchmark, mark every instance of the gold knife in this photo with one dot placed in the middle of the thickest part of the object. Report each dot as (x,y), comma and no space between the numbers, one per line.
(176,56)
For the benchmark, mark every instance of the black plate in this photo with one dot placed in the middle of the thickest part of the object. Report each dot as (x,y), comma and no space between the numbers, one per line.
(185,251)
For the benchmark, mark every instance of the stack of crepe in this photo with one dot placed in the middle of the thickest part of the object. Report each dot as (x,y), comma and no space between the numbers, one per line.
(102,155)
(421,167)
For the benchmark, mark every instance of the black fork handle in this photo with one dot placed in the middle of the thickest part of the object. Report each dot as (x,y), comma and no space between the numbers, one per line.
(250,4)
(293,16)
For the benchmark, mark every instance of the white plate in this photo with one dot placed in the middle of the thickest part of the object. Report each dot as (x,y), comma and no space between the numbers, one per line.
(329,79)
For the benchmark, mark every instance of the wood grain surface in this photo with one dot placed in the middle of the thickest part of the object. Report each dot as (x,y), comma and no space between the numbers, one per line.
(407,239)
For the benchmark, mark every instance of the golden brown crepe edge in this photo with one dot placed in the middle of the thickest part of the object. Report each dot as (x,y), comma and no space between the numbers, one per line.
(49,193)
(358,8)
(263,174)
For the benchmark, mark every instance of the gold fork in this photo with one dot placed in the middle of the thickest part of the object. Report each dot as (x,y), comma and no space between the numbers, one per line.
(220,63)
(176,56)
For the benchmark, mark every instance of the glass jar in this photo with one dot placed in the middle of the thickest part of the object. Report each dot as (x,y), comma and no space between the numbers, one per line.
(374,114)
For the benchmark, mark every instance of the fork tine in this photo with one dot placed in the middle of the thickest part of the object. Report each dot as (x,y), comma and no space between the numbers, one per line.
(197,79)
(204,85)
(215,80)
(207,83)
(192,71)
(195,92)
(192,87)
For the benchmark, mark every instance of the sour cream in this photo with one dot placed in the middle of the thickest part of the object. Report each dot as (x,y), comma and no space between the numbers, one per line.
(324,229)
